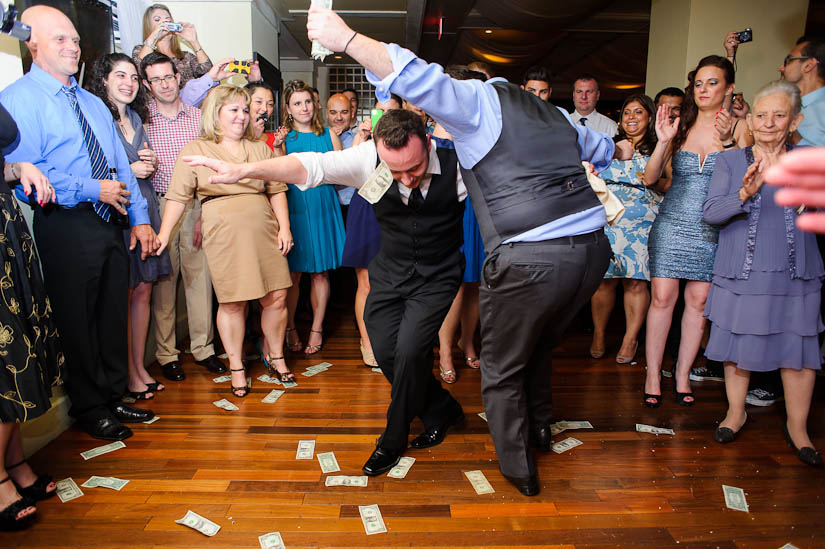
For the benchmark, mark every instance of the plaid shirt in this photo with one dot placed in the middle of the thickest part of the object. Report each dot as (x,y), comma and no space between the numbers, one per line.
(168,136)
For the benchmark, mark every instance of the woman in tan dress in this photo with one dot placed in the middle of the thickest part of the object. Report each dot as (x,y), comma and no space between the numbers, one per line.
(246,233)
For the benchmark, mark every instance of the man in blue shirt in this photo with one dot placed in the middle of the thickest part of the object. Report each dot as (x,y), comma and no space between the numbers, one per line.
(805,67)
(541,223)
(70,136)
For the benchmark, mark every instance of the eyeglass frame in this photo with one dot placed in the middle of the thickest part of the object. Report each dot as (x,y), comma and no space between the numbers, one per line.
(789,58)
(158,79)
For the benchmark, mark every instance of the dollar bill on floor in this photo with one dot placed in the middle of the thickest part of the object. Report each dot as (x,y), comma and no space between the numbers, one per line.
(483,415)
(289,384)
(222,379)
(310,373)
(372,519)
(269,379)
(402,468)
(571,425)
(224,404)
(789,546)
(273,396)
(328,462)
(249,382)
(271,540)
(67,490)
(344,480)
(199,523)
(642,428)
(100,450)
(111,483)
(151,421)
(566,444)
(555,428)
(735,498)
(376,370)
(306,449)
(480,483)
(319,52)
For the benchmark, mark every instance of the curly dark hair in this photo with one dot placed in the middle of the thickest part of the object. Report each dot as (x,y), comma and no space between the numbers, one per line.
(649,140)
(96,84)
(689,108)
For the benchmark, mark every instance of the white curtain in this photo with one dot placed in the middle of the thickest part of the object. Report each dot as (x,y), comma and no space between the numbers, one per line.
(130,16)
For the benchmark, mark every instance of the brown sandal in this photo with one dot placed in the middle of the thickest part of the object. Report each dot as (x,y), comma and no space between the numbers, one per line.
(312,349)
(282,376)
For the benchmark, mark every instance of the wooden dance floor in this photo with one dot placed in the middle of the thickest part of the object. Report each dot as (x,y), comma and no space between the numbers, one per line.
(619,488)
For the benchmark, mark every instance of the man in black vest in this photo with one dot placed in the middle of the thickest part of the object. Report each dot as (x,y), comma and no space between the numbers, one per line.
(541,223)
(416,274)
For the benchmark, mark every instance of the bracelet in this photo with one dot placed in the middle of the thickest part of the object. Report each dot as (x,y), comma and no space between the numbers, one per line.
(12,167)
(197,50)
(730,145)
(354,34)
(153,46)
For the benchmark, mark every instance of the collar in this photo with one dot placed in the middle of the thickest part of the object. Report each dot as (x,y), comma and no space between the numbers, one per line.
(814,96)
(49,82)
(433,164)
(153,111)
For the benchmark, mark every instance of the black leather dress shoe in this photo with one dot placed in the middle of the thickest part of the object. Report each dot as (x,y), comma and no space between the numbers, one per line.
(107,428)
(542,438)
(381,461)
(173,371)
(435,435)
(213,364)
(129,414)
(528,486)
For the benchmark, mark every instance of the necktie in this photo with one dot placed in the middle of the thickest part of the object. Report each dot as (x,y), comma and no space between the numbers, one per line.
(416,199)
(582,121)
(100,167)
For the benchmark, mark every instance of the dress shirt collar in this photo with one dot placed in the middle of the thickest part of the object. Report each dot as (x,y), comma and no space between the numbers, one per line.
(49,82)
(813,97)
(154,112)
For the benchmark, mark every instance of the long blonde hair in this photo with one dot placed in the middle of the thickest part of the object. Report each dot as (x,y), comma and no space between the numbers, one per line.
(292,87)
(211,108)
(148,28)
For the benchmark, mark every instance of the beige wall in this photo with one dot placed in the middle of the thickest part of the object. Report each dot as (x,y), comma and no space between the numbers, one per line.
(684,31)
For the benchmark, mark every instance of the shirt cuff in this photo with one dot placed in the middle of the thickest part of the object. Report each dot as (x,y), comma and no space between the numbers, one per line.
(90,191)
(139,216)
(400,58)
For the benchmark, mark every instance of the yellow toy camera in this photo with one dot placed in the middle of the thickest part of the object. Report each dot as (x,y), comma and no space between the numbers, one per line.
(239,67)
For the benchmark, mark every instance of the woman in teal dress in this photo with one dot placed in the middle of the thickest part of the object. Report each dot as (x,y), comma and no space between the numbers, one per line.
(314,216)
(628,237)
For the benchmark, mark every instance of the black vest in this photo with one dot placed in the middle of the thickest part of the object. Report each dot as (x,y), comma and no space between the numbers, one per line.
(533,174)
(426,241)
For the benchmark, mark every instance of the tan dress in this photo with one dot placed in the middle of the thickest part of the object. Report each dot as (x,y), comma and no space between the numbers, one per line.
(240,232)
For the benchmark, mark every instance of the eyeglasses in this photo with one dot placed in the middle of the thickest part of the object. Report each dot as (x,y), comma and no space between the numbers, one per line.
(789,58)
(167,79)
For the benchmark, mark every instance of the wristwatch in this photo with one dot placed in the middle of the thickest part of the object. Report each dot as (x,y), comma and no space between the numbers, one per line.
(153,47)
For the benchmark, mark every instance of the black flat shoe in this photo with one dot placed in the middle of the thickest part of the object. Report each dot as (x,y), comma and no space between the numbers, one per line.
(36,491)
(107,428)
(213,364)
(129,414)
(542,438)
(528,486)
(435,435)
(8,516)
(381,461)
(806,455)
(173,371)
(657,400)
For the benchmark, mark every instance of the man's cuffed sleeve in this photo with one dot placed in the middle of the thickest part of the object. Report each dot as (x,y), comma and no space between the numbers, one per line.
(196,90)
(350,167)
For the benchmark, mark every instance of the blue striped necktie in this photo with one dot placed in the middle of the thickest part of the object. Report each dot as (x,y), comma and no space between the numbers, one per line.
(100,167)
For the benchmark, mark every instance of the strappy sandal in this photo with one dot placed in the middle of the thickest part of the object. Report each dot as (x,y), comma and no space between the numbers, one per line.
(472,362)
(133,396)
(8,516)
(312,349)
(447,375)
(156,387)
(37,490)
(239,392)
(367,356)
(282,376)
(294,347)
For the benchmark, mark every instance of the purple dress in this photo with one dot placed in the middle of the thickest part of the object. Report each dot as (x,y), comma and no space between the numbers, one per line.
(765,294)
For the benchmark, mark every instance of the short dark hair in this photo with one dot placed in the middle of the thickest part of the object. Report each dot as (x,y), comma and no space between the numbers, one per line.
(815,49)
(463,72)
(397,126)
(540,74)
(252,86)
(482,67)
(155,58)
(349,90)
(669,92)
(393,97)
(586,77)
(315,91)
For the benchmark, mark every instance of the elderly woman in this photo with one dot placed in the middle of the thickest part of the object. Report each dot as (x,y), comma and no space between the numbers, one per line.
(765,294)
(628,237)
(246,232)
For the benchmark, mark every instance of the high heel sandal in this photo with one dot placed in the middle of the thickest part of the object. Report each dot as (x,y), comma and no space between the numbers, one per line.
(8,516)
(282,376)
(368,357)
(472,362)
(657,399)
(260,347)
(620,359)
(681,398)
(239,392)
(596,353)
(447,375)
(806,455)
(312,349)
(36,491)
(294,347)
(156,387)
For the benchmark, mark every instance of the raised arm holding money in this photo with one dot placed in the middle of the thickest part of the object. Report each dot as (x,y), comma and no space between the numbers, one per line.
(540,221)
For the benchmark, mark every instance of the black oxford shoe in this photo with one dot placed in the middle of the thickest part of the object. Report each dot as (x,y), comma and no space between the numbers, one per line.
(107,428)
(381,461)
(435,435)
(213,364)
(129,414)
(542,438)
(173,371)
(528,486)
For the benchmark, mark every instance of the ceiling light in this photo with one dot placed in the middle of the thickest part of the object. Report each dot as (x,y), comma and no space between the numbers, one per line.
(488,31)
(628,86)
(337,57)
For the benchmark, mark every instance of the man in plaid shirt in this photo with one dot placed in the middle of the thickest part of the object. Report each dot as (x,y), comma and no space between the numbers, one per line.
(172,125)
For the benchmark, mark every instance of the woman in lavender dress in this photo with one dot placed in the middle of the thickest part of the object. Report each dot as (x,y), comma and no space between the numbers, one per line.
(765,294)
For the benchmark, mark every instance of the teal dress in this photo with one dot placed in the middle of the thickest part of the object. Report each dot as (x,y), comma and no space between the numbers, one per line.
(314,215)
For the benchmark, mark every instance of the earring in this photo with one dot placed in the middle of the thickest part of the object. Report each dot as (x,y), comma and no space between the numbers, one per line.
(289,117)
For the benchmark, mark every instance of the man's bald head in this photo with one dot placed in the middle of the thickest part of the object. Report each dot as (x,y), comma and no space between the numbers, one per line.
(54,42)
(339,112)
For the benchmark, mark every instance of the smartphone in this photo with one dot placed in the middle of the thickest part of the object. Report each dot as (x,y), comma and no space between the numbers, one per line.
(173,27)
(239,67)
(375,116)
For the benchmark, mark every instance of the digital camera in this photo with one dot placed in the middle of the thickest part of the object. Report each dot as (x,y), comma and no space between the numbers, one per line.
(745,36)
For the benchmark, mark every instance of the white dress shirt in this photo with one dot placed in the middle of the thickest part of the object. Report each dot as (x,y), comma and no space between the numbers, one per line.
(596,121)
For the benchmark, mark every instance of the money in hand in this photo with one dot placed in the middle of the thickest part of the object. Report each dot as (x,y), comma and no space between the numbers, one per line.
(224,404)
(480,483)
(222,379)
(269,379)
(653,430)
(199,523)
(328,462)
(735,498)
(343,480)
(566,444)
(377,184)
(306,448)
(100,450)
(403,467)
(271,540)
(67,490)
(319,52)
(372,519)
(273,396)
(105,482)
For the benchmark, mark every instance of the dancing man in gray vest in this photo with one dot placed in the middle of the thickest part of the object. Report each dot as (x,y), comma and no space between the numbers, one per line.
(540,220)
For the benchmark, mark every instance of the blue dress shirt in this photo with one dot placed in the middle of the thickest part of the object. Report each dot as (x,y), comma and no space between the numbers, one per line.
(812,128)
(50,139)
(471,112)
(345,193)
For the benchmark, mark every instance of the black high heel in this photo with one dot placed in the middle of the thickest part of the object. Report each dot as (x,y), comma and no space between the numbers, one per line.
(37,490)
(681,398)
(806,455)
(282,377)
(239,392)
(8,516)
